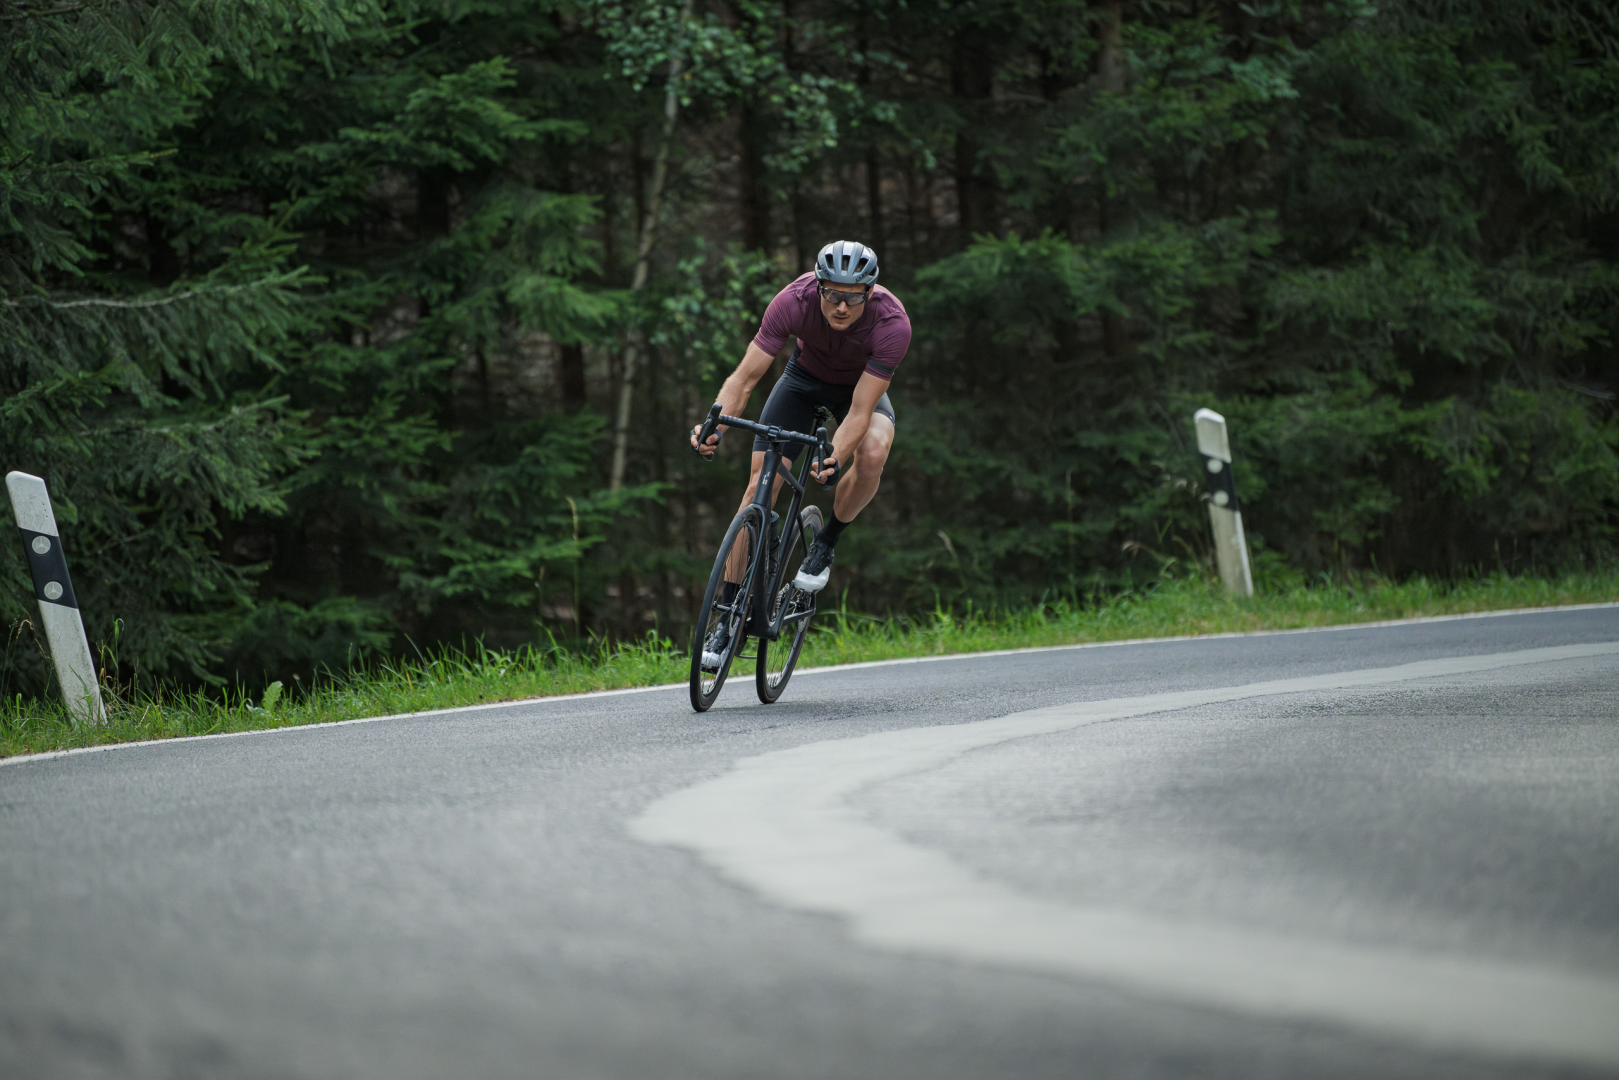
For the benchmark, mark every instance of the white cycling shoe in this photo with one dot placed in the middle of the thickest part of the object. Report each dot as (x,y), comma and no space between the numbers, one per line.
(715,648)
(816,569)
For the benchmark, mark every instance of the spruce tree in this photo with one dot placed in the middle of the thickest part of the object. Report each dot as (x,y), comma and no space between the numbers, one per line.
(257,368)
(139,390)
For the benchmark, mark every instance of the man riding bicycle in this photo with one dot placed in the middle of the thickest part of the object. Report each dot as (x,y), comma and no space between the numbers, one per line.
(849,338)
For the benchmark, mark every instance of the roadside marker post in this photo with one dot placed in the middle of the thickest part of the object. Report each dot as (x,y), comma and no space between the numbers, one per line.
(58,605)
(1230,544)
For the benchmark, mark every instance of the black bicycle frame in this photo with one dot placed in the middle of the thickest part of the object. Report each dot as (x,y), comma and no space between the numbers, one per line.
(776,547)
(776,440)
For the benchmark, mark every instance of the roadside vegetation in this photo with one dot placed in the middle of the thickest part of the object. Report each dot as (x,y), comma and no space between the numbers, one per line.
(446,677)
(343,328)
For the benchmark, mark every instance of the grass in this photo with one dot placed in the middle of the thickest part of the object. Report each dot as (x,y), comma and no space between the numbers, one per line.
(451,678)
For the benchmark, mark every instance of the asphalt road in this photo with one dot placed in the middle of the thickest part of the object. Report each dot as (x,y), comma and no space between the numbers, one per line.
(610,886)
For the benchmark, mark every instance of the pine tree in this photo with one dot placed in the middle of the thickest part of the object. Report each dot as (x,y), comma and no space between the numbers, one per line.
(275,316)
(1380,240)
(139,393)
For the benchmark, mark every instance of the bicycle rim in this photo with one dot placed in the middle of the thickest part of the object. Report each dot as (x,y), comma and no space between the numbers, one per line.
(778,658)
(707,679)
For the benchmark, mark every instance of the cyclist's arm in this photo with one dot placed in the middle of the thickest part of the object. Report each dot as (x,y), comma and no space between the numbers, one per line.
(867,392)
(733,396)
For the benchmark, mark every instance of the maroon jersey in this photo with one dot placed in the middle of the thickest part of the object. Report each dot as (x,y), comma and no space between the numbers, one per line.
(875,342)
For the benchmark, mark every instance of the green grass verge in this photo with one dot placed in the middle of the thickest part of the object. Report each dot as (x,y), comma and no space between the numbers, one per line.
(452,678)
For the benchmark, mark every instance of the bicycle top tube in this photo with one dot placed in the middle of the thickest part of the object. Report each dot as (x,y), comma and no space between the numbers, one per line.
(771,433)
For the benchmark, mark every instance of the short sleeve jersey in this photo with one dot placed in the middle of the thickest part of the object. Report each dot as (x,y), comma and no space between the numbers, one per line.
(875,343)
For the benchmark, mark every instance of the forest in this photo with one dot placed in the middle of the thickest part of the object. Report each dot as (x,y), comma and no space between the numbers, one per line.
(346,328)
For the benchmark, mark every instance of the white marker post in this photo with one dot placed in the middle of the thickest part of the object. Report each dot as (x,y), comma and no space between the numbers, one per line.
(58,606)
(1230,545)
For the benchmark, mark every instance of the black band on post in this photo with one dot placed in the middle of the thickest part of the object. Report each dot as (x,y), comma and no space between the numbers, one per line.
(48,566)
(1218,475)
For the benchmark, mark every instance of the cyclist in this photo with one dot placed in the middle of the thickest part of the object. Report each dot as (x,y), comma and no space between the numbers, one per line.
(849,338)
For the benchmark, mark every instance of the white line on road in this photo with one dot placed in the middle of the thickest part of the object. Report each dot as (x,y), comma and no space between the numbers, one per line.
(325,725)
(781,824)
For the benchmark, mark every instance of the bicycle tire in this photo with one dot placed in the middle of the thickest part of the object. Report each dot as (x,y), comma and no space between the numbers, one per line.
(768,683)
(706,683)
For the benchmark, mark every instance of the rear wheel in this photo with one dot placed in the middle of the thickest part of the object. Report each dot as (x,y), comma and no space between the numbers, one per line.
(722,620)
(795,607)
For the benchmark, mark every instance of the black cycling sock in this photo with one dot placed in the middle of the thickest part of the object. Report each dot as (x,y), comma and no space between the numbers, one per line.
(729,590)
(834,530)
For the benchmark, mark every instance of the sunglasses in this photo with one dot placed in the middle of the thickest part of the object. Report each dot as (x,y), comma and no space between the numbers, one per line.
(833,297)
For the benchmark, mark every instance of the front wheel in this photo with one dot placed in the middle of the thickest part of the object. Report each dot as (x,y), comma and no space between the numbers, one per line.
(794,608)
(722,620)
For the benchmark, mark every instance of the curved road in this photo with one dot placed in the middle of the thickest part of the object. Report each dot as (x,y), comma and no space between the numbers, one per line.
(1378,852)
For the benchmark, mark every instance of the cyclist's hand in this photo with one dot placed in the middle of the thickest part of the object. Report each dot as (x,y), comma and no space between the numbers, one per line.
(707,449)
(829,470)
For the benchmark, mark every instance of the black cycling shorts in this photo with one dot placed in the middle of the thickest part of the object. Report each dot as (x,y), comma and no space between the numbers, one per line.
(794,399)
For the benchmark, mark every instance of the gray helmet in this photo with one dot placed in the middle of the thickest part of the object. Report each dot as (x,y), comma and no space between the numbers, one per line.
(846,262)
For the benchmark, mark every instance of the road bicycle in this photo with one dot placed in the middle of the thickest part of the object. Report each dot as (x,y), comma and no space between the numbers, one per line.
(760,561)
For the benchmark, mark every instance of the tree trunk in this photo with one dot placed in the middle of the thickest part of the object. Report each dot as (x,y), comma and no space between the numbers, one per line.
(874,196)
(1110,63)
(643,253)
(571,372)
(1110,79)
(753,192)
(433,200)
(971,80)
(913,216)
(163,262)
(874,165)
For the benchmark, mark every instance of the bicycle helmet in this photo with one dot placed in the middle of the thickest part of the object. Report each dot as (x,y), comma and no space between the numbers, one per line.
(846,262)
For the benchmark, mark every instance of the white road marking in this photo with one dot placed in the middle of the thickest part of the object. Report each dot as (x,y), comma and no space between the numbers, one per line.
(322,725)
(781,824)
(1223,635)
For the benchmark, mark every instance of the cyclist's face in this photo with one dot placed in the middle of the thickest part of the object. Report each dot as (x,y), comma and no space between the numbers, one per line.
(842,314)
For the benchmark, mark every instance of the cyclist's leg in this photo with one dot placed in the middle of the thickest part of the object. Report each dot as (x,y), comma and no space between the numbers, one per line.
(854,490)
(860,483)
(737,564)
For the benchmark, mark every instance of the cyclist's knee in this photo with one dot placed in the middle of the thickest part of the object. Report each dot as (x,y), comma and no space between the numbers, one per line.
(871,456)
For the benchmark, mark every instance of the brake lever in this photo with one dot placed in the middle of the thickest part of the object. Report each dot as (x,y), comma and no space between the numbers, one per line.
(822,452)
(709,424)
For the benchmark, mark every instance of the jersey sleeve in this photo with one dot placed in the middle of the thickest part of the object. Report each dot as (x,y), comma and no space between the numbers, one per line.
(888,347)
(780,322)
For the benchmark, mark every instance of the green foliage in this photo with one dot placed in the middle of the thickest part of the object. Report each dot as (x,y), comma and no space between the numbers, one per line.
(308,308)
(709,306)
(1382,244)
(724,60)
(144,403)
(218,369)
